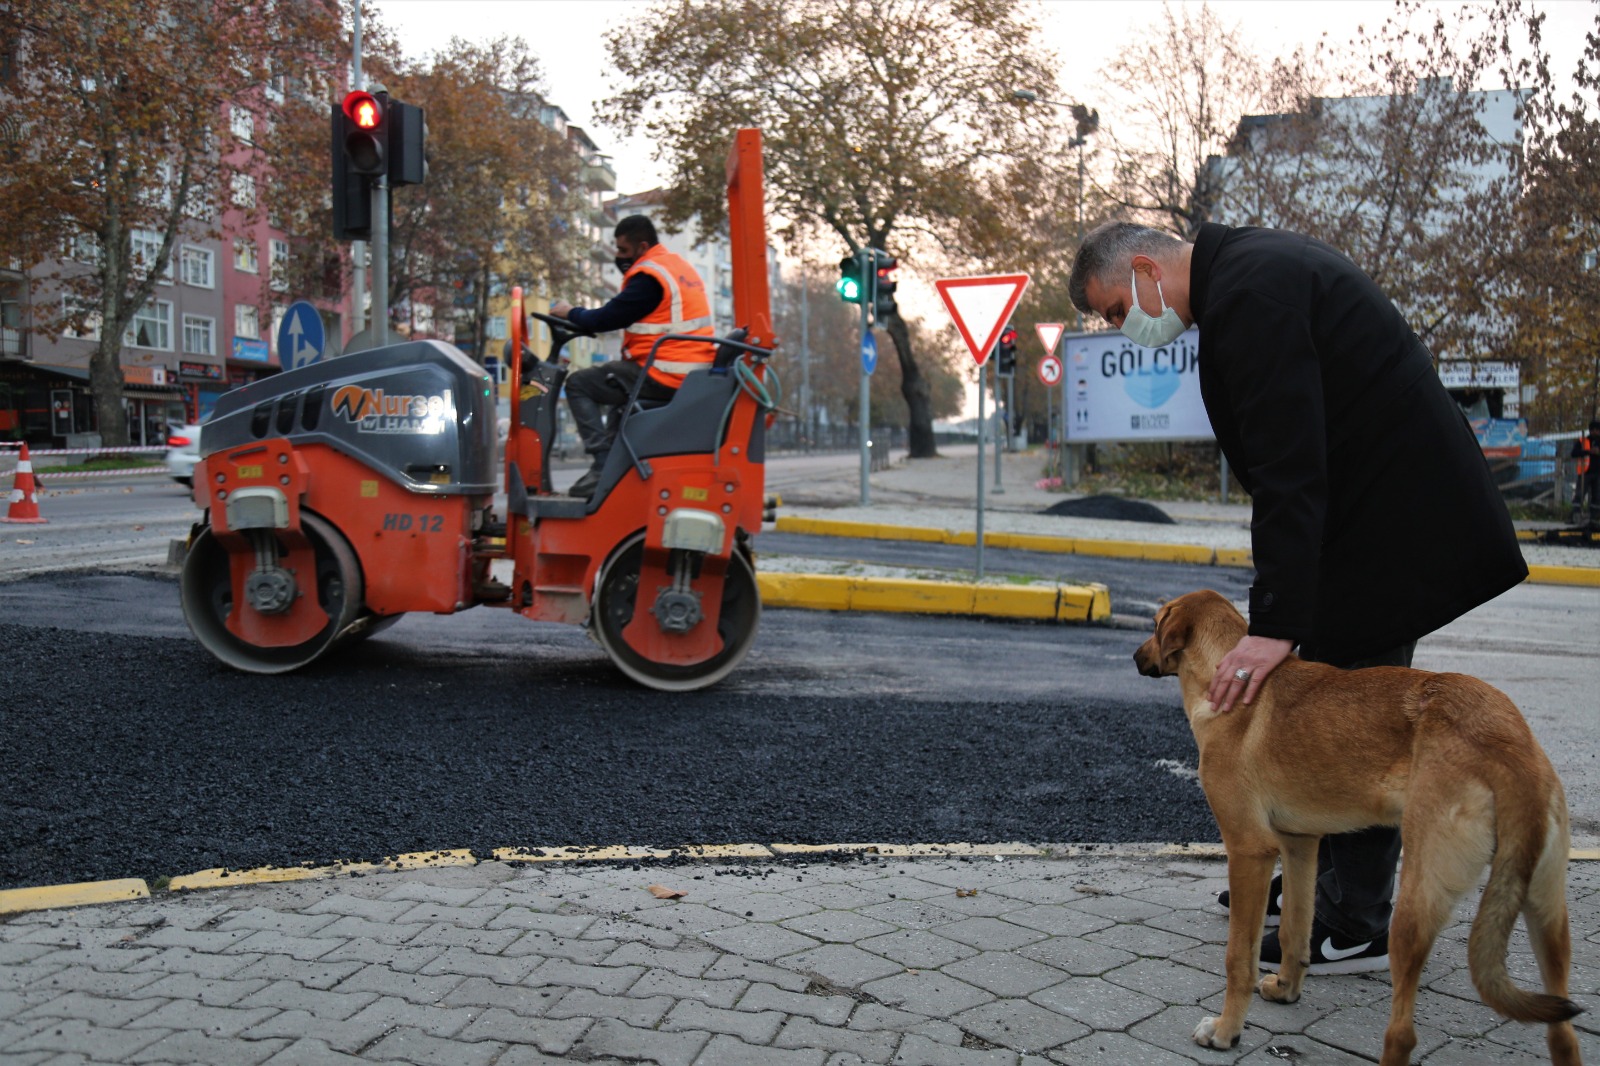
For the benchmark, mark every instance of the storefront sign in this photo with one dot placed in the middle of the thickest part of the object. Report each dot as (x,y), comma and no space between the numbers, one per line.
(251,351)
(210,371)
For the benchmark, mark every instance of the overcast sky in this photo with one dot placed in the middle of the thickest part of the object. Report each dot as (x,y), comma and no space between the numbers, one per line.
(568,37)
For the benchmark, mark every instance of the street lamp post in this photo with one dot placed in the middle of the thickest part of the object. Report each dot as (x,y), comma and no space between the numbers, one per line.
(1087,122)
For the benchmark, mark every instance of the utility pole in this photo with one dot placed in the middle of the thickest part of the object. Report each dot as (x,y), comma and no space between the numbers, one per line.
(805,353)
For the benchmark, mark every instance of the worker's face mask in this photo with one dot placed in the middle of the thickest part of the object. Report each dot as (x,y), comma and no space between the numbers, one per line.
(625,264)
(1145,330)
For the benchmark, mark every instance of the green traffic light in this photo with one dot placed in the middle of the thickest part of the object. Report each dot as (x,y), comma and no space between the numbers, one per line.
(849,290)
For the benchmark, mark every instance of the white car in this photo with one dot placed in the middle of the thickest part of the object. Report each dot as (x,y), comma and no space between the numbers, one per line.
(183,452)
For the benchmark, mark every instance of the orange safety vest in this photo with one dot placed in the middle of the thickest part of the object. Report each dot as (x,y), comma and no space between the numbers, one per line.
(683,309)
(1585,453)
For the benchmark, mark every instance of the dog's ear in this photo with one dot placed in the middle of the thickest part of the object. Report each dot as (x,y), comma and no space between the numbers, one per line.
(1173,626)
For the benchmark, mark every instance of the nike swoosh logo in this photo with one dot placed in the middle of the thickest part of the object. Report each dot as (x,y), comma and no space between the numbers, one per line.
(1333,954)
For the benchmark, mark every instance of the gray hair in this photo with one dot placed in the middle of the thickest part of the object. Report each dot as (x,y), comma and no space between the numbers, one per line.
(1110,247)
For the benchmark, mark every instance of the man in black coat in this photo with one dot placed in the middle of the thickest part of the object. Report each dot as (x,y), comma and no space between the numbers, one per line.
(1374,518)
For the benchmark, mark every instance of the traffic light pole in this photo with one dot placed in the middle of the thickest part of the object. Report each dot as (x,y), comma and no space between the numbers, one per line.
(358,249)
(999,444)
(868,271)
(380,261)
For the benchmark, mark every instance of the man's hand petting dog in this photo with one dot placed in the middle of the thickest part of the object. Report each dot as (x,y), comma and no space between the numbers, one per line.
(1242,670)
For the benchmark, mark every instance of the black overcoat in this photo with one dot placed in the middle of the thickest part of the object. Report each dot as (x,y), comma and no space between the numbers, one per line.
(1375,519)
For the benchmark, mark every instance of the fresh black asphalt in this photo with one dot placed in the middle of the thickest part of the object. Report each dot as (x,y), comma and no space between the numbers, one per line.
(128,754)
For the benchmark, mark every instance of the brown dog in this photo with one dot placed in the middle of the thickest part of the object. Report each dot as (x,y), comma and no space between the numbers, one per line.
(1322,750)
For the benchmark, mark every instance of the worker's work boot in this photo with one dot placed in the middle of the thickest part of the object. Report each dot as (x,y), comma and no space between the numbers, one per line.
(584,487)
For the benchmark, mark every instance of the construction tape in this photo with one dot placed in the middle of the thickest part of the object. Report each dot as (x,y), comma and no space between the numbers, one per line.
(141,449)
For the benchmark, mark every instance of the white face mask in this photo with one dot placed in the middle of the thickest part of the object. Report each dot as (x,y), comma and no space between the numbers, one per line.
(1145,330)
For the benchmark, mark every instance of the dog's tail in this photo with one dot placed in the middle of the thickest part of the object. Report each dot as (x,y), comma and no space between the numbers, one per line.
(1520,843)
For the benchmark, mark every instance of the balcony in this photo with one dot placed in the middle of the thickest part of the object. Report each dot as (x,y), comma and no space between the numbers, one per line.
(597,173)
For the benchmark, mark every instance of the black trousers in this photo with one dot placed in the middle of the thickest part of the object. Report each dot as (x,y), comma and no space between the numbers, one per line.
(1356,871)
(597,392)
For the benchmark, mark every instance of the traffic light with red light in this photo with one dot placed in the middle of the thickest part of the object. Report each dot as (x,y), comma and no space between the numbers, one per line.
(1006,352)
(366,139)
(887,269)
(374,137)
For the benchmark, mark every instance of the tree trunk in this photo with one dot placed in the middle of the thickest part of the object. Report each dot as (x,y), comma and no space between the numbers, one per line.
(918,394)
(105,384)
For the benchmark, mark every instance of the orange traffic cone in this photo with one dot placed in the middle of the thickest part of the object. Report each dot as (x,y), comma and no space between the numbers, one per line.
(24,495)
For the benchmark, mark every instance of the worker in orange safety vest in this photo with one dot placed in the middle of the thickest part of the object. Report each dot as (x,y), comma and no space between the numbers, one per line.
(1585,450)
(661,293)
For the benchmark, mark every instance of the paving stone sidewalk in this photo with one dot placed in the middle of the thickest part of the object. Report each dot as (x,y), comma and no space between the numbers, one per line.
(922,962)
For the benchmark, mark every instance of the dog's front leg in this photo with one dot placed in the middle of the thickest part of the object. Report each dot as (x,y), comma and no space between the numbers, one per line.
(1249,882)
(1294,934)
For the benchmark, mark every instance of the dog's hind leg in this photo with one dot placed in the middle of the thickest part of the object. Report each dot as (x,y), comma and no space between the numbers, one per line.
(1294,934)
(1443,857)
(1250,863)
(1545,913)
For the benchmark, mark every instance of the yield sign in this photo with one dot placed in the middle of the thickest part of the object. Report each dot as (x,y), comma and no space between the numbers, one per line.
(1049,335)
(981,306)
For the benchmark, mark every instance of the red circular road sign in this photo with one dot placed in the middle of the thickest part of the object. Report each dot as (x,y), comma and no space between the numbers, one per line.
(1050,371)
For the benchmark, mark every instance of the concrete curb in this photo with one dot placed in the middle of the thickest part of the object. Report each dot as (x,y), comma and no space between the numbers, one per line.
(833,592)
(88,893)
(1197,554)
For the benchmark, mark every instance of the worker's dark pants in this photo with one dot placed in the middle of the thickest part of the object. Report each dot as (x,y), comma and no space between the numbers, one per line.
(1591,479)
(1355,871)
(596,392)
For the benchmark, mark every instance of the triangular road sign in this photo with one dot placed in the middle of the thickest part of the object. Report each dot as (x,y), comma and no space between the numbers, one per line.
(981,306)
(1049,335)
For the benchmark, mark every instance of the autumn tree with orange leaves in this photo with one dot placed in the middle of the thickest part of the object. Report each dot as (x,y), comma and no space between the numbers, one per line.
(116,118)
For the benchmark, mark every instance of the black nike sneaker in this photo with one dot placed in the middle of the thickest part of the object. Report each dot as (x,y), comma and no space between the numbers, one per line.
(1331,952)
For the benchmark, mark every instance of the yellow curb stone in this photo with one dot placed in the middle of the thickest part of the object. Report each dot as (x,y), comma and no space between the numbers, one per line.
(222,877)
(1564,575)
(624,852)
(1084,603)
(1017,601)
(913,850)
(823,592)
(83,893)
(911,595)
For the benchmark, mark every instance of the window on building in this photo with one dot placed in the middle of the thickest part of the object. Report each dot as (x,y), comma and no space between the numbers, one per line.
(151,326)
(244,191)
(246,321)
(497,328)
(81,247)
(80,318)
(243,124)
(245,256)
(280,266)
(199,335)
(198,266)
(147,252)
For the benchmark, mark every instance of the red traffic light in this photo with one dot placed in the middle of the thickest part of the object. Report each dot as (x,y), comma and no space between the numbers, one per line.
(1008,337)
(364,110)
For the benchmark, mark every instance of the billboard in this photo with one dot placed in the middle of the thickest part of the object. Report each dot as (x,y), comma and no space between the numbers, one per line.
(1120,391)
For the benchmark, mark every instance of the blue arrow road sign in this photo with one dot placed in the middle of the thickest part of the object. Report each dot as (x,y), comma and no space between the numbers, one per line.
(300,337)
(869,353)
